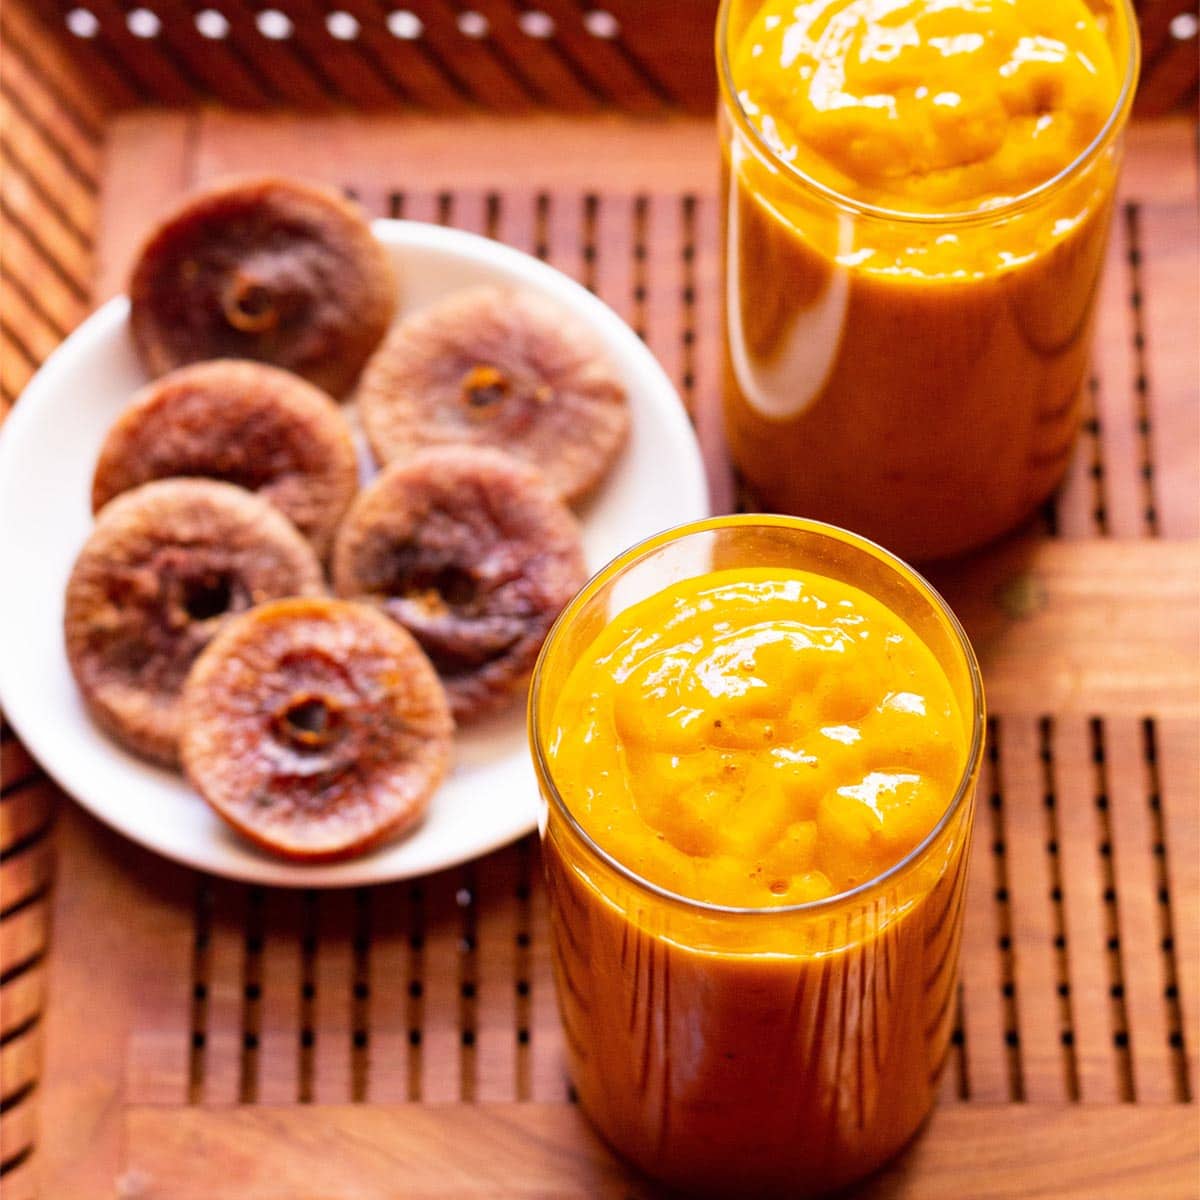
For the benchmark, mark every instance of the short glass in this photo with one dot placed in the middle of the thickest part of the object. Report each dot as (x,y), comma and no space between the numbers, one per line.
(930,412)
(746,1051)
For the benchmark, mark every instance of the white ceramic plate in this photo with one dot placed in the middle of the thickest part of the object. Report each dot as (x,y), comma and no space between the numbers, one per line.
(48,449)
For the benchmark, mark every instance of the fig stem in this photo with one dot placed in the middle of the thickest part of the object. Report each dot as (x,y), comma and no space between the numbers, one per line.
(308,722)
(248,304)
(484,386)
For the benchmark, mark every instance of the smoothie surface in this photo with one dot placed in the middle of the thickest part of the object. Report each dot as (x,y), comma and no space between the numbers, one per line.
(758,737)
(927,105)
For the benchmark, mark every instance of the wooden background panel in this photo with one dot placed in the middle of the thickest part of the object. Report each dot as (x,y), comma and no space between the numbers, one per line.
(667,153)
(442,988)
(631,54)
(1093,626)
(511,1151)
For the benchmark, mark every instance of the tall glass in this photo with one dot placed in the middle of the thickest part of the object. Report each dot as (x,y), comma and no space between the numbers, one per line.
(929,410)
(745,1051)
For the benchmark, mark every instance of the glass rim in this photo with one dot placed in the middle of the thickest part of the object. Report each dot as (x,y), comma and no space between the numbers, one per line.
(971,216)
(637,553)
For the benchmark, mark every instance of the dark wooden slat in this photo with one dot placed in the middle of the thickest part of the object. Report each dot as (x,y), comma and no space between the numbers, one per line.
(672,46)
(607,68)
(77,149)
(1168,238)
(613,239)
(980,965)
(661,277)
(393,1000)
(497,976)
(21,1001)
(334,980)
(1117,370)
(407,62)
(547,1067)
(20,1181)
(536,61)
(27,327)
(57,244)
(27,272)
(353,75)
(34,33)
(281,1002)
(25,874)
(1138,910)
(288,75)
(1079,841)
(212,62)
(16,765)
(140,59)
(471,61)
(570,244)
(441,1046)
(18,1131)
(1169,78)
(1154,20)
(1029,885)
(1178,770)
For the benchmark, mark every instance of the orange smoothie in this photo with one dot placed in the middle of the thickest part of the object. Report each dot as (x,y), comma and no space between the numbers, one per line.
(917,199)
(759,784)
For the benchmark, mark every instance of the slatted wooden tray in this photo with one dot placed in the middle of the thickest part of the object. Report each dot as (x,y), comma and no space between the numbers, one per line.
(167,1034)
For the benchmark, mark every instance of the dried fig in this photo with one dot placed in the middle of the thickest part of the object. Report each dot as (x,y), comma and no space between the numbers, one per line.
(257,426)
(316,728)
(474,555)
(495,367)
(266,269)
(165,567)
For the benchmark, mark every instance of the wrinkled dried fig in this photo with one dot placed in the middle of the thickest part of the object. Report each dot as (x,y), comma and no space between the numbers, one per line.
(256,426)
(496,367)
(316,728)
(474,555)
(265,269)
(165,567)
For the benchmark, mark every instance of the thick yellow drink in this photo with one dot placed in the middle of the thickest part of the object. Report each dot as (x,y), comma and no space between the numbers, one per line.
(757,739)
(917,202)
(758,736)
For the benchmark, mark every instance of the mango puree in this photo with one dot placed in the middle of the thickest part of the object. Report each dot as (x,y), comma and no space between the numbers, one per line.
(907,317)
(757,738)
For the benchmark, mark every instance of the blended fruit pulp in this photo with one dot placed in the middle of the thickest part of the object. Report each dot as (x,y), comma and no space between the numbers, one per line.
(757,738)
(913,371)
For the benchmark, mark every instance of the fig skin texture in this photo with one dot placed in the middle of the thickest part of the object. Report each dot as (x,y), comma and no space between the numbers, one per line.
(256,426)
(471,552)
(503,368)
(266,269)
(316,728)
(166,566)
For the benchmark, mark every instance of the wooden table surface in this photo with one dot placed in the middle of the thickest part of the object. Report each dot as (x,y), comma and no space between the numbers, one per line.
(167,1034)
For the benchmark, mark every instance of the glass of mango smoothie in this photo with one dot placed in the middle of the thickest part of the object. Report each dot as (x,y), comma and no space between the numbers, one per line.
(917,197)
(757,740)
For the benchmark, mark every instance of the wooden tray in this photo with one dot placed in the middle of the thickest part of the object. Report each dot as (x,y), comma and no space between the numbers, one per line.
(165,1034)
